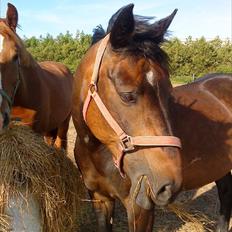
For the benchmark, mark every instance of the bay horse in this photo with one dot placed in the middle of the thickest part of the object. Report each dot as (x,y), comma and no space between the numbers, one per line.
(125,147)
(200,114)
(202,118)
(39,93)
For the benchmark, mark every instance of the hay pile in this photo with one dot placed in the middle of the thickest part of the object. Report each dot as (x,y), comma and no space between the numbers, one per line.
(29,165)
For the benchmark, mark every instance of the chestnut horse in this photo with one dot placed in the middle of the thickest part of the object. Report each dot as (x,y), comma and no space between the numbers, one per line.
(120,112)
(40,93)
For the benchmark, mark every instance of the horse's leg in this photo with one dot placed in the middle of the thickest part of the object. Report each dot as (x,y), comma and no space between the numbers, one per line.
(61,139)
(224,186)
(139,219)
(50,137)
(104,208)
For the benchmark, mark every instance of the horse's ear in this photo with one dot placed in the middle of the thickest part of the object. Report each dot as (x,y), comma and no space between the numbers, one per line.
(12,16)
(162,25)
(122,27)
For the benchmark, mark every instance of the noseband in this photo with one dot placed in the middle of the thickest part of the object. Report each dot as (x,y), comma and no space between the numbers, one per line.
(127,143)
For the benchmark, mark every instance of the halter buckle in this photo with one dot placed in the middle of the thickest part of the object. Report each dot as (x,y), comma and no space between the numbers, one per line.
(126,144)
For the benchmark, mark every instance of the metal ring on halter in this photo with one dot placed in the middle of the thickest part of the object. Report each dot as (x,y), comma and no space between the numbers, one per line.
(92,87)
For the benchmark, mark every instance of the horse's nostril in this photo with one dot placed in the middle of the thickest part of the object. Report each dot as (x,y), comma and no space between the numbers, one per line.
(165,193)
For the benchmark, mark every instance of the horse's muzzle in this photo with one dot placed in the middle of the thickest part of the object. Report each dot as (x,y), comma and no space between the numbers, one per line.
(164,196)
(145,194)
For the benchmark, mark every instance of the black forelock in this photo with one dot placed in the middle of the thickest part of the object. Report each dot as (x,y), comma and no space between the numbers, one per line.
(144,41)
(98,34)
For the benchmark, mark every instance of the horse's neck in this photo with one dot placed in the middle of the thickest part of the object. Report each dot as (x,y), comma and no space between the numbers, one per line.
(30,85)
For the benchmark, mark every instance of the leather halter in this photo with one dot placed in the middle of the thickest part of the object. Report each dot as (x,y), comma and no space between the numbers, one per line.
(127,143)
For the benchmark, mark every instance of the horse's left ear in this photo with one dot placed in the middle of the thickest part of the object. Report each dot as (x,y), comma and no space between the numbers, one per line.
(12,16)
(161,26)
(122,27)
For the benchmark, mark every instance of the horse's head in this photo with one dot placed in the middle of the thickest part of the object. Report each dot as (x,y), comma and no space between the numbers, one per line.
(10,45)
(132,82)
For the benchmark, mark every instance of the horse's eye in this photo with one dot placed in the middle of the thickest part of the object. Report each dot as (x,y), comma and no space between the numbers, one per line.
(128,97)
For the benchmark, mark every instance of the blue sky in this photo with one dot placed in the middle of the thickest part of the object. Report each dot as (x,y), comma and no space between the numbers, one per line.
(196,18)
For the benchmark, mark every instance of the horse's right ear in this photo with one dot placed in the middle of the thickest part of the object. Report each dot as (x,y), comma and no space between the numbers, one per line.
(12,16)
(161,26)
(122,27)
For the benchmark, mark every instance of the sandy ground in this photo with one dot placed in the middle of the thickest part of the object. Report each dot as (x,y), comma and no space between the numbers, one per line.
(202,204)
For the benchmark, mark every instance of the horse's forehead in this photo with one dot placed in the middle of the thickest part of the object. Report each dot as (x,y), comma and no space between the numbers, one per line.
(129,65)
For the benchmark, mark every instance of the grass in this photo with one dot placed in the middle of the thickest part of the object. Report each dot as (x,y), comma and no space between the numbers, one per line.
(180,80)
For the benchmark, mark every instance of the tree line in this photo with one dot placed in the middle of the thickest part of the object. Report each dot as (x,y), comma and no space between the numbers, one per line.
(189,58)
(194,58)
(64,48)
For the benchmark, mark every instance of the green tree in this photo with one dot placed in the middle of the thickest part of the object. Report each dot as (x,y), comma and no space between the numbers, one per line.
(198,57)
(187,58)
(65,48)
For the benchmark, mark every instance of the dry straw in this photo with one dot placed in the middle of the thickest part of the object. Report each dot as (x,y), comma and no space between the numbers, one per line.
(198,220)
(27,163)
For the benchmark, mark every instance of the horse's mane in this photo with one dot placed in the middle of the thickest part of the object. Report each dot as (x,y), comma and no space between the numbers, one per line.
(144,41)
(26,58)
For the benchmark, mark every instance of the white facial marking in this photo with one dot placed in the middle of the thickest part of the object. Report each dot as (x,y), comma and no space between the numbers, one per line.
(86,139)
(150,78)
(1,42)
